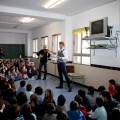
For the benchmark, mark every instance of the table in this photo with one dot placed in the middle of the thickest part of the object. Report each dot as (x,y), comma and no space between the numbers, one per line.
(76,76)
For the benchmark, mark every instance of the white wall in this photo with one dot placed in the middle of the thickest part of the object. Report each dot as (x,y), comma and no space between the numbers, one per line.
(12,38)
(93,76)
(49,30)
(111,10)
(98,76)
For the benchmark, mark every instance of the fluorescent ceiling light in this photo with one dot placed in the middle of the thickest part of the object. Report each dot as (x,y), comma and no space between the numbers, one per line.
(51,3)
(26,19)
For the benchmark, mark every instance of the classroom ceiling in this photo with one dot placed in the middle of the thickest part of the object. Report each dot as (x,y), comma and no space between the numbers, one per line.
(66,7)
(14,22)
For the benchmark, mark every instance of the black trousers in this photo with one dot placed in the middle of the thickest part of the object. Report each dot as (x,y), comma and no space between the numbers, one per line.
(45,69)
(62,71)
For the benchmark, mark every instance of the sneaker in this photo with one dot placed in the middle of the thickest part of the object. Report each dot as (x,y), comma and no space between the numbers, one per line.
(60,86)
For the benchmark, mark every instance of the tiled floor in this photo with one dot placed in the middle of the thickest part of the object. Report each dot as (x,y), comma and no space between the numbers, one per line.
(50,83)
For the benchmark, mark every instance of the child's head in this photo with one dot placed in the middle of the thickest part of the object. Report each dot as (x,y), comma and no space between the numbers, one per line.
(34,98)
(49,94)
(79,99)
(13,70)
(14,111)
(22,83)
(82,93)
(31,60)
(16,70)
(3,71)
(62,115)
(115,114)
(29,87)
(11,92)
(112,82)
(8,72)
(100,89)
(2,105)
(91,90)
(26,110)
(106,96)
(29,70)
(39,90)
(99,102)
(61,100)
(23,67)
(34,68)
(21,98)
(74,105)
(12,83)
(50,108)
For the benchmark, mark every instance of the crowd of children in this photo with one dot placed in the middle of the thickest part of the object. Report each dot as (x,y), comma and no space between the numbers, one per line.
(17,69)
(23,104)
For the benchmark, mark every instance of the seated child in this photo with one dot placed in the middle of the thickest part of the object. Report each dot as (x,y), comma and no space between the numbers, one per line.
(61,104)
(50,112)
(100,112)
(35,72)
(39,92)
(18,74)
(100,89)
(8,74)
(24,72)
(2,107)
(81,107)
(14,74)
(22,87)
(62,115)
(91,96)
(28,92)
(29,73)
(74,113)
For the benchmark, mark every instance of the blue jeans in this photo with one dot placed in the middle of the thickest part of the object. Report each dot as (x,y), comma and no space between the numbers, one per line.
(62,71)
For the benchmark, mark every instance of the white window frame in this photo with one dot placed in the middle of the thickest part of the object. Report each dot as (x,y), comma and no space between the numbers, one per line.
(44,41)
(35,47)
(80,55)
(55,47)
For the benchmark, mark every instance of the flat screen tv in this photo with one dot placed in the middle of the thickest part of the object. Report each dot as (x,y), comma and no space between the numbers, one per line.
(99,28)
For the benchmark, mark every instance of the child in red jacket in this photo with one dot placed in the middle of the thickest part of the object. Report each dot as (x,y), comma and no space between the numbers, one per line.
(112,87)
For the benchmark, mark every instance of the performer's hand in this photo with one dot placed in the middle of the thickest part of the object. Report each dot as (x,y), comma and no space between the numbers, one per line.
(41,56)
(60,58)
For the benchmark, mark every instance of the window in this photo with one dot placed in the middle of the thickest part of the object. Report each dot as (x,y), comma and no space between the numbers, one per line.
(44,41)
(81,55)
(35,47)
(55,42)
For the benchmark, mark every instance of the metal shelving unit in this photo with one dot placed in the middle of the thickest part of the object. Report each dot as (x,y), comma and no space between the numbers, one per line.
(111,46)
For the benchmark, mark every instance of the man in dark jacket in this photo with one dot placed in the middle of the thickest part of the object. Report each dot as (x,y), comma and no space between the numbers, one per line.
(43,55)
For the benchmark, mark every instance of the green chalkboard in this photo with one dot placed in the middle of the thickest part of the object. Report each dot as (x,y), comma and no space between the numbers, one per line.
(13,50)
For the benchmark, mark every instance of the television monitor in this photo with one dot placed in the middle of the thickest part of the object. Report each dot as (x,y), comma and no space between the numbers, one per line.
(99,28)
